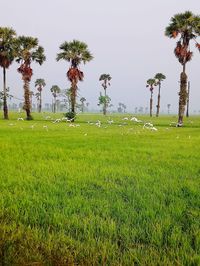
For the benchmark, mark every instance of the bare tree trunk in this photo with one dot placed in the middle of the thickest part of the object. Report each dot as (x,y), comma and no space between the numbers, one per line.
(27,105)
(158,104)
(5,106)
(151,103)
(182,96)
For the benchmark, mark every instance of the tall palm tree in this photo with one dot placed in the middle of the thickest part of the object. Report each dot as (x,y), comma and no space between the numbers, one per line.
(185,26)
(106,82)
(75,53)
(159,77)
(7,55)
(150,84)
(40,84)
(28,51)
(55,91)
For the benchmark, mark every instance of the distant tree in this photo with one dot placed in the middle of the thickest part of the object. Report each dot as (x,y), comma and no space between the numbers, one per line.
(74,52)
(159,77)
(150,84)
(40,84)
(186,26)
(7,55)
(119,109)
(168,108)
(141,110)
(55,92)
(106,82)
(28,51)
(82,100)
(136,110)
(31,98)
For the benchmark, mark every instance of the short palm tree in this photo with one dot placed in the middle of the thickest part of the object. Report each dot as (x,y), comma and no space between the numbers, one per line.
(7,55)
(159,77)
(55,91)
(106,82)
(75,53)
(40,84)
(150,84)
(28,51)
(185,26)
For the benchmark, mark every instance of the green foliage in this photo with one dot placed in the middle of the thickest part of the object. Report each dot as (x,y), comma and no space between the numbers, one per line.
(104,100)
(70,115)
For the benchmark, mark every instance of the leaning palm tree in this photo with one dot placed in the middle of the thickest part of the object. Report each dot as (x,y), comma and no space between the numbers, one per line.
(7,55)
(28,51)
(106,82)
(159,77)
(150,84)
(185,26)
(55,91)
(75,53)
(40,84)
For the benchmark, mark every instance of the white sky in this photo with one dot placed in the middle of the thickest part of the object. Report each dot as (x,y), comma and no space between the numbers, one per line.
(125,37)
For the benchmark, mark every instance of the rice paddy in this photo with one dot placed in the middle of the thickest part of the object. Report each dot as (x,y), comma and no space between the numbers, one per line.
(101,191)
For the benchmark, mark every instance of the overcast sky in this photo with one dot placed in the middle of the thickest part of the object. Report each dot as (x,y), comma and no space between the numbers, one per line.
(125,37)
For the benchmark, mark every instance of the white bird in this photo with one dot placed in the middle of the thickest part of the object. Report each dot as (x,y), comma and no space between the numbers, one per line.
(20,118)
(134,119)
(110,122)
(71,125)
(125,118)
(98,123)
(148,125)
(153,129)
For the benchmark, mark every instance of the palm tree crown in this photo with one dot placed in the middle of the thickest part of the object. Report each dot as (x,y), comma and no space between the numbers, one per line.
(151,83)
(159,77)
(40,83)
(28,51)
(105,78)
(7,46)
(186,26)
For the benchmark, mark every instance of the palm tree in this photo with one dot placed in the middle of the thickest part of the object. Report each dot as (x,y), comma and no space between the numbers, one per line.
(28,51)
(55,91)
(40,84)
(159,77)
(168,108)
(106,82)
(151,83)
(7,55)
(75,53)
(82,100)
(186,26)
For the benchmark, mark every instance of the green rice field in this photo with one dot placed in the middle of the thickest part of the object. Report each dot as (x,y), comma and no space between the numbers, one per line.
(99,193)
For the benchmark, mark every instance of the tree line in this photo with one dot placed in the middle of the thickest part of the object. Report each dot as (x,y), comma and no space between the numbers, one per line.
(25,50)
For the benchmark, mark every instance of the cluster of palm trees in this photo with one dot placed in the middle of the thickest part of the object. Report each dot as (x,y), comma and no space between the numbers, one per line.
(151,83)
(25,50)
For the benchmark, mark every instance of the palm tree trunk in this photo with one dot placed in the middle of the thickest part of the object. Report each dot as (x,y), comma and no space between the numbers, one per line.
(151,103)
(73,96)
(54,105)
(105,104)
(5,106)
(40,103)
(158,104)
(182,96)
(188,100)
(27,105)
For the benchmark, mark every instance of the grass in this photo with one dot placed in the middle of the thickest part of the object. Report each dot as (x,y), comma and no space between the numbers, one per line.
(114,195)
